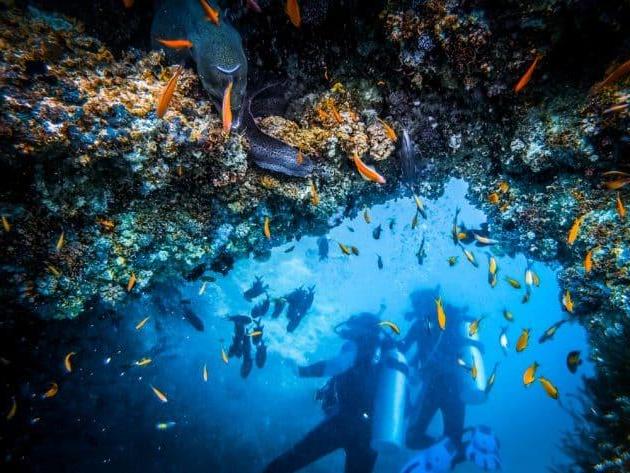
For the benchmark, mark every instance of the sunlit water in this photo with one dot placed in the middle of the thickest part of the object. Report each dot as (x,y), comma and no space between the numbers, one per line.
(230,424)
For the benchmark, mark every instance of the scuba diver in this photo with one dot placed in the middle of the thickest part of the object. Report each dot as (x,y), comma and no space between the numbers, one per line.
(348,399)
(242,340)
(439,383)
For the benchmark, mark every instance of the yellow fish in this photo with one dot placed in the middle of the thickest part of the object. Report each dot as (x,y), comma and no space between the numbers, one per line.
(441,315)
(621,210)
(473,328)
(420,206)
(53,270)
(507,315)
(67,363)
(205,373)
(504,187)
(224,356)
(389,131)
(366,216)
(535,278)
(143,362)
(132,281)
(142,323)
(523,340)
(492,265)
(60,241)
(529,376)
(567,301)
(13,410)
(266,230)
(344,249)
(255,333)
(588,261)
(550,389)
(470,257)
(394,328)
(53,389)
(159,394)
(473,370)
(493,198)
(5,224)
(574,230)
(513,282)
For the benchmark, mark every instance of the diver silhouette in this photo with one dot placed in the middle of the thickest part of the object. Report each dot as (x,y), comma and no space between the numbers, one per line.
(347,400)
(439,383)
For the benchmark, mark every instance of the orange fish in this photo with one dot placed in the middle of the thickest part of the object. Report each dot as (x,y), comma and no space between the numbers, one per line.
(128,3)
(567,302)
(524,80)
(53,389)
(335,112)
(167,93)
(211,13)
(389,131)
(574,230)
(621,210)
(293,12)
(67,363)
(368,173)
(227,108)
(266,229)
(132,282)
(613,77)
(176,43)
(588,261)
(523,340)
(159,394)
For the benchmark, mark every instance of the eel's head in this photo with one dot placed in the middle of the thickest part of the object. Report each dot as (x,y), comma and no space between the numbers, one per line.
(223,61)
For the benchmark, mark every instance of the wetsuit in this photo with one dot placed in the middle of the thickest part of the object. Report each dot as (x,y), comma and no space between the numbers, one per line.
(347,400)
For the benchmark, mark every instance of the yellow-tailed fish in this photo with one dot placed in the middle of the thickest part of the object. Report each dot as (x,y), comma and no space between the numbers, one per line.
(266,229)
(226,108)
(529,376)
(484,240)
(621,210)
(5,224)
(473,370)
(143,362)
(473,328)
(391,325)
(535,278)
(255,333)
(492,265)
(389,131)
(159,394)
(132,282)
(60,241)
(574,231)
(366,216)
(513,282)
(12,410)
(523,340)
(53,389)
(205,373)
(67,362)
(567,302)
(549,388)
(224,356)
(344,249)
(142,323)
(420,206)
(441,315)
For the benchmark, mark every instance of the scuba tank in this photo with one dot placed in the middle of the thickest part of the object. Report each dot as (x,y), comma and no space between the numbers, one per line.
(472,391)
(388,418)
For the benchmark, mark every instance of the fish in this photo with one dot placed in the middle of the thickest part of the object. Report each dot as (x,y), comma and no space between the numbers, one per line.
(368,173)
(526,296)
(392,223)
(529,277)
(67,363)
(142,323)
(196,272)
(389,131)
(503,340)
(366,216)
(55,272)
(535,278)
(574,230)
(204,373)
(421,253)
(132,282)
(391,325)
(344,249)
(290,249)
(255,333)
(523,340)
(165,425)
(549,388)
(420,206)
(257,288)
(376,233)
(484,240)
(292,10)
(452,260)
(621,210)
(473,328)
(441,315)
(493,268)
(224,356)
(212,14)
(355,250)
(616,75)
(322,248)
(414,221)
(617,183)
(493,198)
(573,360)
(60,242)
(529,376)
(473,370)
(314,194)
(226,108)
(5,224)
(13,410)
(53,389)
(551,331)
(507,315)
(143,361)
(513,282)
(167,93)
(491,379)
(176,43)
(470,256)
(266,229)
(128,3)
(567,301)
(192,318)
(379,262)
(106,224)
(525,78)
(588,261)
(159,394)
(503,187)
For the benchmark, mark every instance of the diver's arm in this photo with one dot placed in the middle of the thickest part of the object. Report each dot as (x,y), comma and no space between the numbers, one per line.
(342,362)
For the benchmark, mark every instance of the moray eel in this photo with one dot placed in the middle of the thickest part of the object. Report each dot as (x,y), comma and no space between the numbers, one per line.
(218,54)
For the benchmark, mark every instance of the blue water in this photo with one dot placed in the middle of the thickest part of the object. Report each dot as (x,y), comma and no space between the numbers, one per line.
(232,424)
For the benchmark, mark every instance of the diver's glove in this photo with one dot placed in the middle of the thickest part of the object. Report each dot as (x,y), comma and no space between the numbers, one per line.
(483,449)
(437,458)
